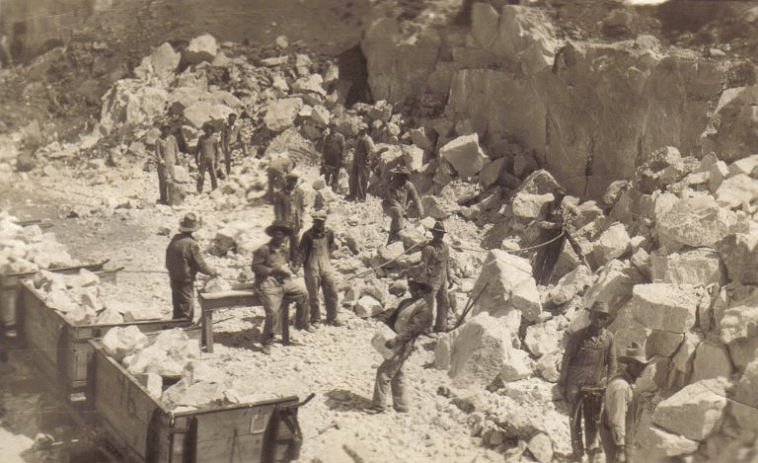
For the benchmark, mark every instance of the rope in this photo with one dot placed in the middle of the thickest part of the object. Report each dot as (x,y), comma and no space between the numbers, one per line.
(529,248)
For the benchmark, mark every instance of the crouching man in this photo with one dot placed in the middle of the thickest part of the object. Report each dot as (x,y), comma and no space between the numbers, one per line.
(413,317)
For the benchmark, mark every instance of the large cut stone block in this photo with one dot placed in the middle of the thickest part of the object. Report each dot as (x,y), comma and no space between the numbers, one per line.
(509,286)
(662,306)
(694,412)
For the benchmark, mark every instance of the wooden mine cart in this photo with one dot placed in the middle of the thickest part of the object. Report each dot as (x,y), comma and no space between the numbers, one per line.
(60,348)
(142,429)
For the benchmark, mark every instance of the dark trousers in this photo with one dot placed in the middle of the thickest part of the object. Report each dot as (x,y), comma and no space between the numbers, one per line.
(182,297)
(390,375)
(585,408)
(358,183)
(204,166)
(331,176)
(164,188)
(228,160)
(316,279)
(438,298)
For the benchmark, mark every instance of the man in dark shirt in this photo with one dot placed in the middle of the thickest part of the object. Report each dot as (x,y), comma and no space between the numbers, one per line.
(208,152)
(277,288)
(166,152)
(359,171)
(289,206)
(183,261)
(333,152)
(398,194)
(588,362)
(230,137)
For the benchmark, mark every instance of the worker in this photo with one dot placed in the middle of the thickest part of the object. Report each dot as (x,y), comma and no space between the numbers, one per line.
(166,152)
(230,137)
(279,166)
(333,149)
(289,207)
(208,154)
(390,372)
(359,171)
(556,230)
(316,247)
(435,261)
(277,288)
(183,262)
(622,410)
(588,362)
(395,204)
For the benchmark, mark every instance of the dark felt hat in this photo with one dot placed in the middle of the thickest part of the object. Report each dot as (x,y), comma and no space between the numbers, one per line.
(278,225)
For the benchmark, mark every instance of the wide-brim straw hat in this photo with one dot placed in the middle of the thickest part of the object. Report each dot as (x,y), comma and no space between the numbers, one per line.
(635,353)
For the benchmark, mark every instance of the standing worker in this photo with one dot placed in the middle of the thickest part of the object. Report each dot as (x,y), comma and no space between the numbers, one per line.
(390,372)
(622,409)
(277,288)
(230,137)
(360,169)
(588,362)
(289,207)
(183,261)
(279,166)
(316,247)
(435,261)
(333,148)
(166,151)
(395,203)
(208,153)
(555,230)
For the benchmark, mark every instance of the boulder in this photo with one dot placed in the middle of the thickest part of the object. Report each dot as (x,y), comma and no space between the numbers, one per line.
(540,446)
(613,285)
(509,286)
(423,138)
(202,48)
(349,125)
(740,255)
(549,366)
(663,343)
(524,164)
(656,445)
(738,190)
(711,361)
(120,342)
(648,177)
(682,359)
(740,320)
(694,412)
(203,111)
(545,338)
(281,114)
(484,351)
(717,172)
(491,172)
(663,306)
(746,166)
(130,103)
(443,350)
(570,285)
(368,306)
(731,130)
(320,116)
(745,403)
(701,266)
(528,206)
(434,206)
(484,24)
(310,84)
(695,221)
(464,154)
(613,243)
(162,62)
(380,111)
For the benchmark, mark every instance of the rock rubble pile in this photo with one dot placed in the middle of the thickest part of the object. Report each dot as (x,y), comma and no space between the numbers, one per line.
(26,249)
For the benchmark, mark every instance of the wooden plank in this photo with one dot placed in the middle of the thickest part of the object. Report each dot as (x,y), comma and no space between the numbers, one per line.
(41,329)
(228,299)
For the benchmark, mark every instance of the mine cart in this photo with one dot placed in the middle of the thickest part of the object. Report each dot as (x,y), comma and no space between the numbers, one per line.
(10,284)
(142,429)
(60,348)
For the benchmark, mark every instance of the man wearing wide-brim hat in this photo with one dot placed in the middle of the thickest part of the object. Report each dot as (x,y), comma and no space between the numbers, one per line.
(435,261)
(588,362)
(398,195)
(277,287)
(622,409)
(183,262)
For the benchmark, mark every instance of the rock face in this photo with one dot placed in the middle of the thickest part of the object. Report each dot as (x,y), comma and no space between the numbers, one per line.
(465,155)
(162,62)
(696,221)
(484,351)
(745,404)
(740,254)
(711,361)
(693,267)
(695,412)
(509,286)
(662,306)
(731,130)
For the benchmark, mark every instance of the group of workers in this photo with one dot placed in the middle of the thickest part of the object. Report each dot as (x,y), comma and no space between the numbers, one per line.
(599,392)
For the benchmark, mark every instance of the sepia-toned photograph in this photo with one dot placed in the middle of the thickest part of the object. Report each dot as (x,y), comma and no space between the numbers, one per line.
(378,231)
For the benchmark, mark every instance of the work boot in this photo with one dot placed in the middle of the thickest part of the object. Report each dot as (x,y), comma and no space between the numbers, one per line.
(375,409)
(266,349)
(307,328)
(401,409)
(335,323)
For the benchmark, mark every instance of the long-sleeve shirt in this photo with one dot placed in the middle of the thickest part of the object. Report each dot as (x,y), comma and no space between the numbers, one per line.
(621,411)
(401,195)
(435,259)
(268,258)
(307,241)
(289,207)
(166,152)
(334,148)
(183,259)
(231,133)
(589,358)
(363,152)
(419,320)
